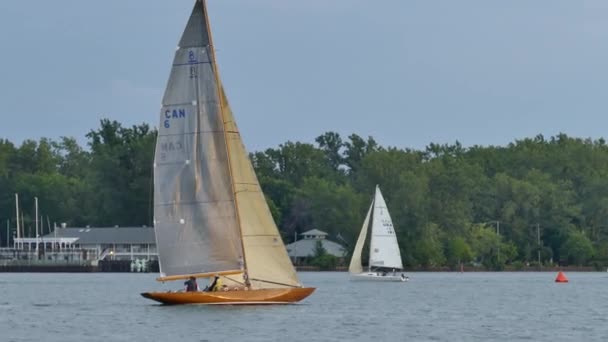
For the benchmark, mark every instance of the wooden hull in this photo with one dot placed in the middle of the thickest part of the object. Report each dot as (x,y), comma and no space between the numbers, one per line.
(375,277)
(264,296)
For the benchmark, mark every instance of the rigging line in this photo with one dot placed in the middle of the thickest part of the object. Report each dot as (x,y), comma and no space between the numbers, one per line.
(234,280)
(275,283)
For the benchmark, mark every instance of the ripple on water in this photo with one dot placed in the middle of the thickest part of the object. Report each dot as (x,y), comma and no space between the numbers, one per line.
(432,306)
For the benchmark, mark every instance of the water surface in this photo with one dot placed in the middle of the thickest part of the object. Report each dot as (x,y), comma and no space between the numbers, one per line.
(431,307)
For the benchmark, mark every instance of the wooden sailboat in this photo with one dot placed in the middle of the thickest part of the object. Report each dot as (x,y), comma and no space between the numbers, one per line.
(210,215)
(384,255)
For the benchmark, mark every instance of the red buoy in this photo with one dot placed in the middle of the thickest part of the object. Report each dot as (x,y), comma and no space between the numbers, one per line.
(561,278)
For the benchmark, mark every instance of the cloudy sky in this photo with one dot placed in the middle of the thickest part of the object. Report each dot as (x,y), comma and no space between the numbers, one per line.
(408,72)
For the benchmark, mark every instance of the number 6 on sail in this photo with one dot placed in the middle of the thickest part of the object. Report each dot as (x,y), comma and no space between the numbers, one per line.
(210,216)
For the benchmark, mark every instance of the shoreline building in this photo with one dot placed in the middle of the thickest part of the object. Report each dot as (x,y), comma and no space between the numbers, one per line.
(89,245)
(303,250)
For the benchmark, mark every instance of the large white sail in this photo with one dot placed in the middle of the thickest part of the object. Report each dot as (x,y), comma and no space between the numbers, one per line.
(384,249)
(355,261)
(194,207)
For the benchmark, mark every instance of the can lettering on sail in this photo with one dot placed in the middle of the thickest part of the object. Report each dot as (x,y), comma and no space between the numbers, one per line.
(173,114)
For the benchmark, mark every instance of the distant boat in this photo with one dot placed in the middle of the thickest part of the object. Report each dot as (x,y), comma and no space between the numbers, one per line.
(210,216)
(384,255)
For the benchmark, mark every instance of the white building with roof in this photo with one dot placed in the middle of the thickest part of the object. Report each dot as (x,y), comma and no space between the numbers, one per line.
(94,244)
(304,249)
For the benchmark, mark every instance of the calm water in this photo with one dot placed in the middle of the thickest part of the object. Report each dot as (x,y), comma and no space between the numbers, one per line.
(431,307)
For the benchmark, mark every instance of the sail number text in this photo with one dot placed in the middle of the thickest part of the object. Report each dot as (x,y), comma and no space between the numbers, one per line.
(389,226)
(173,114)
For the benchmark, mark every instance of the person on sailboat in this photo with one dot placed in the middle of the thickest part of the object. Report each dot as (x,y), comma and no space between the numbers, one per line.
(216,284)
(191,285)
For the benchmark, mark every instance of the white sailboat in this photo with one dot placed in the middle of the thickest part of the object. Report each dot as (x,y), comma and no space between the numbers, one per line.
(384,255)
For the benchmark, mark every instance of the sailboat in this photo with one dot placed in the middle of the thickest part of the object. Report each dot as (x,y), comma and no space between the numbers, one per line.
(210,215)
(384,255)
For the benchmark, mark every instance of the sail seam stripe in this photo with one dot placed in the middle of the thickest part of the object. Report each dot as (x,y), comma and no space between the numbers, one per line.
(192,202)
(196,63)
(184,103)
(188,133)
(173,163)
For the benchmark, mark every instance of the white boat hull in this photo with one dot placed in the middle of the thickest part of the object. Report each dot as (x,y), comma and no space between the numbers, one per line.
(373,276)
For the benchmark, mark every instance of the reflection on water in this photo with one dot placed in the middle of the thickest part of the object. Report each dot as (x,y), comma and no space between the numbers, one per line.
(432,306)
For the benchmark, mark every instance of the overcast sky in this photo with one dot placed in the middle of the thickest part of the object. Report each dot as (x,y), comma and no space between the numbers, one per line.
(406,72)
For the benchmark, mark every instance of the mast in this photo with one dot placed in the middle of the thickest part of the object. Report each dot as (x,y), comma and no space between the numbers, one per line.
(42,234)
(295,247)
(17,213)
(371,234)
(221,109)
(36,207)
(538,239)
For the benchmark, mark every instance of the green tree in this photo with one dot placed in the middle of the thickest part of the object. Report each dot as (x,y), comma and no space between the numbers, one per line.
(322,259)
(428,251)
(331,144)
(334,208)
(121,173)
(485,244)
(577,249)
(458,251)
(356,150)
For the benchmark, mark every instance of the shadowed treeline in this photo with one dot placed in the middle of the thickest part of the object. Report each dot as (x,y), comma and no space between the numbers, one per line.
(447,201)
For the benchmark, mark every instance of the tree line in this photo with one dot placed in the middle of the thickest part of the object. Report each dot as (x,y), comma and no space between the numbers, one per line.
(535,198)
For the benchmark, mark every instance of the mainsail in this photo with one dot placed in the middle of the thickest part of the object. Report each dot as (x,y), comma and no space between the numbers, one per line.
(210,212)
(384,249)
